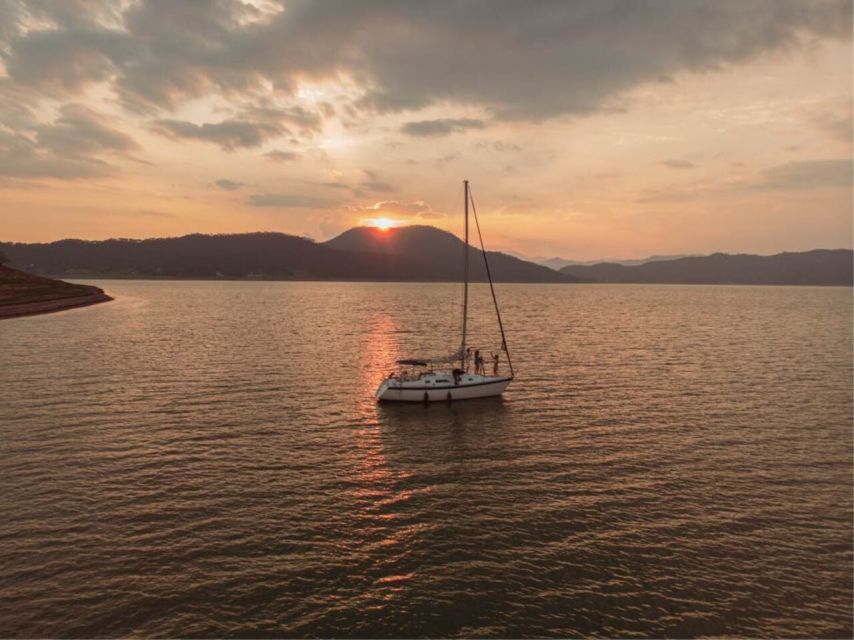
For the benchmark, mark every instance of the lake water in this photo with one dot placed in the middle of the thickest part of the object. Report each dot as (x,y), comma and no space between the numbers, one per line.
(206,459)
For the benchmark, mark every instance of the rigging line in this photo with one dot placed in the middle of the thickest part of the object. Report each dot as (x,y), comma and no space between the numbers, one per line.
(452,305)
(491,288)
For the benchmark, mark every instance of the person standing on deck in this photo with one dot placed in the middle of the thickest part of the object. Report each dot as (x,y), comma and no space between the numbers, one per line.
(495,364)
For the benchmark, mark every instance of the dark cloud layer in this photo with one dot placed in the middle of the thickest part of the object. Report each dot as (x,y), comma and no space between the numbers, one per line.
(21,158)
(228,134)
(442,127)
(73,146)
(82,131)
(509,59)
(519,60)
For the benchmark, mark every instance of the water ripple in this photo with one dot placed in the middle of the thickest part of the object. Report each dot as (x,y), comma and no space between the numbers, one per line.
(672,461)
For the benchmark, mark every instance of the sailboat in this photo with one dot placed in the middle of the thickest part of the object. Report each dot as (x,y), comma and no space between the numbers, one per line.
(438,379)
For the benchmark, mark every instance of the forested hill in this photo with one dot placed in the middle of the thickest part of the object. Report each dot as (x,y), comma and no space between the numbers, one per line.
(270,255)
(818,267)
(443,251)
(417,253)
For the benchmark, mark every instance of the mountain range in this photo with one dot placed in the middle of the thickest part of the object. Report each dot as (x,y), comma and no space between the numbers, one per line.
(414,253)
(817,267)
(559,263)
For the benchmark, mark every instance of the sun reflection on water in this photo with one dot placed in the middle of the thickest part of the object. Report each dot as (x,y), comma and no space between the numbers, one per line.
(381,490)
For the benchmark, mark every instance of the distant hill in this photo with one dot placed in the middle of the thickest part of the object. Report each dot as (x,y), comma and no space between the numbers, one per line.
(275,256)
(197,255)
(818,267)
(560,263)
(443,251)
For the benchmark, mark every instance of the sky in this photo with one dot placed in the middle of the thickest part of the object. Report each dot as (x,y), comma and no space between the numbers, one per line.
(588,129)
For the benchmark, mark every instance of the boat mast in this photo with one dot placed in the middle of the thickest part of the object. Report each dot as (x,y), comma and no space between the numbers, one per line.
(491,287)
(465,277)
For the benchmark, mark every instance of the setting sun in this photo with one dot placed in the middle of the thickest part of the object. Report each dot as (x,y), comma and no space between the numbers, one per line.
(383,224)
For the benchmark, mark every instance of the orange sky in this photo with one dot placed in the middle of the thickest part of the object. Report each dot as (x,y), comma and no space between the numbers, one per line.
(585,133)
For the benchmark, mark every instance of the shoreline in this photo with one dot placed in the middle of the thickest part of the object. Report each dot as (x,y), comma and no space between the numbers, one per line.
(24,294)
(23,309)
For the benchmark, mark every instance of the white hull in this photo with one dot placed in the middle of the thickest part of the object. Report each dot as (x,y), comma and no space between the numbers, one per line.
(396,390)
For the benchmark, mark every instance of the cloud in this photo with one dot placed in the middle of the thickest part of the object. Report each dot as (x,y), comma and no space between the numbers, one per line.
(18,14)
(563,57)
(791,176)
(229,185)
(836,121)
(81,131)
(809,174)
(442,127)
(397,208)
(678,164)
(188,50)
(411,210)
(377,186)
(68,148)
(66,61)
(499,146)
(228,134)
(281,156)
(373,183)
(58,48)
(514,61)
(20,157)
(289,201)
(306,121)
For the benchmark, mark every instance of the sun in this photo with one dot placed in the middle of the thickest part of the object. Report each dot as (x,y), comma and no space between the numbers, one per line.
(383,224)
